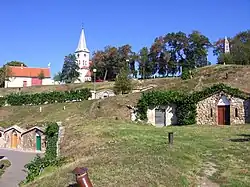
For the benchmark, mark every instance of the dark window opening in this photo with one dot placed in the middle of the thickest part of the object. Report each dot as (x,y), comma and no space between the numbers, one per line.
(236,112)
(211,112)
(0,134)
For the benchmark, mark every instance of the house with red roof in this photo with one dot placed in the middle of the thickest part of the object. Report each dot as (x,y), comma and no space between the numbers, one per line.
(20,76)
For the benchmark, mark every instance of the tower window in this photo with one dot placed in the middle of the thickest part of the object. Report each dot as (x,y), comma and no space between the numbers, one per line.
(236,113)
(85,55)
(78,55)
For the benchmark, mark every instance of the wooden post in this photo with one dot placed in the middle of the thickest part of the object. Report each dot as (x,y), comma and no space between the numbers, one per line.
(40,109)
(64,107)
(170,138)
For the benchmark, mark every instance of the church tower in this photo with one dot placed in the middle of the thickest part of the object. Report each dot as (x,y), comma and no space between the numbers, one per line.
(226,46)
(83,58)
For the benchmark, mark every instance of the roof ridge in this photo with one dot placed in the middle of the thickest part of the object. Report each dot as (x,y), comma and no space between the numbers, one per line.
(29,67)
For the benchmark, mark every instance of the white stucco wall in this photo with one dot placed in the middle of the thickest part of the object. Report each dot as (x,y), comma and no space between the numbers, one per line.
(170,115)
(17,82)
(47,81)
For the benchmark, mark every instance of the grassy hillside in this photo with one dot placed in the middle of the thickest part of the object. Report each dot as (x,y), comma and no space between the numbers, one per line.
(99,135)
(126,154)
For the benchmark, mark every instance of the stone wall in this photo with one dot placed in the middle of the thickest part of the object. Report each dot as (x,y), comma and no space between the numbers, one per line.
(29,140)
(2,141)
(8,138)
(170,118)
(207,110)
(60,137)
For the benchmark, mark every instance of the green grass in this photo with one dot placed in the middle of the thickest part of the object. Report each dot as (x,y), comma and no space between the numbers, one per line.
(6,165)
(126,154)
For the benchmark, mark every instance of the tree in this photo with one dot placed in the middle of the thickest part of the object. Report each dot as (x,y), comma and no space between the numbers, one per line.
(173,50)
(145,67)
(58,77)
(16,63)
(198,49)
(41,75)
(226,58)
(111,60)
(123,84)
(70,69)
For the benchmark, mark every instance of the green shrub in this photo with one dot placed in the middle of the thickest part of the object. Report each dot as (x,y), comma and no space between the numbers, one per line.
(17,99)
(185,74)
(2,101)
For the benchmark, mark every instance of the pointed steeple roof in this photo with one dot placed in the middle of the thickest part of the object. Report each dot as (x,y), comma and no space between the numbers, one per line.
(82,43)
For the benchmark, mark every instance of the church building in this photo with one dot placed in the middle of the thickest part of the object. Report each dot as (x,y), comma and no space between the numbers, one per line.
(83,59)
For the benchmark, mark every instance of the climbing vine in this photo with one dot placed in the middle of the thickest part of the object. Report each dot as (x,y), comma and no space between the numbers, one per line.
(36,166)
(185,103)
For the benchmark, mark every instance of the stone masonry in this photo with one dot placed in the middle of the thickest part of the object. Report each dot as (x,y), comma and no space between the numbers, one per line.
(207,110)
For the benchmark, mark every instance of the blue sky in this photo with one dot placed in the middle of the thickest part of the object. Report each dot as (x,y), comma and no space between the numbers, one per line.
(39,32)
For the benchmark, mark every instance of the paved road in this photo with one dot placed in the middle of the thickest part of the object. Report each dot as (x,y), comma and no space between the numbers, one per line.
(15,174)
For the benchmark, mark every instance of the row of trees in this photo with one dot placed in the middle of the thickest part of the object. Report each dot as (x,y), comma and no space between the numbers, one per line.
(169,53)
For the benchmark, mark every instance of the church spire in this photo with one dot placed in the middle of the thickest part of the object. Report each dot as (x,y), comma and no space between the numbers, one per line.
(82,43)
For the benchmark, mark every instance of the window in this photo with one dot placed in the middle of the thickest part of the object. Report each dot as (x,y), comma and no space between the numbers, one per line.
(236,113)
(85,55)
(0,134)
(211,112)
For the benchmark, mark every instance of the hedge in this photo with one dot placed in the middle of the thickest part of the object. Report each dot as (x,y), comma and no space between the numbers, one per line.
(17,99)
(50,159)
(186,103)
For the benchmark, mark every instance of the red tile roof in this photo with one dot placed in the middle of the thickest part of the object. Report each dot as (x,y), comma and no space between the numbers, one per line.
(18,71)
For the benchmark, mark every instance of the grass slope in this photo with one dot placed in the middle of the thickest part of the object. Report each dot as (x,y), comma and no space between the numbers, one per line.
(125,154)
(119,153)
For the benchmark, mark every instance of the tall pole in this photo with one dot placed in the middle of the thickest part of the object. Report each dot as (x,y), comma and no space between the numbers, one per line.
(94,71)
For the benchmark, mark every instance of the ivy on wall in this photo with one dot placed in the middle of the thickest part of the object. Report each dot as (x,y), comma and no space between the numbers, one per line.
(185,103)
(17,99)
(50,159)
(2,101)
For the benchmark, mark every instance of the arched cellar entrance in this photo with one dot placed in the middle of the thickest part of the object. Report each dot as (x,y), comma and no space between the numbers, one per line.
(223,111)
